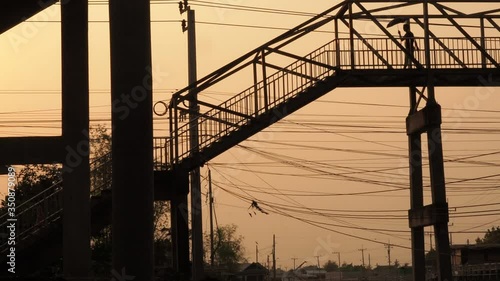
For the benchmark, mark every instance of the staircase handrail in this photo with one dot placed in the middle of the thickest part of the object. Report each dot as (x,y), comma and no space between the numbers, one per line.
(250,91)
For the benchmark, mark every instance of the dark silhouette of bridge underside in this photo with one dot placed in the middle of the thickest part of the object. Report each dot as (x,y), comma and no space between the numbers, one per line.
(277,90)
(15,12)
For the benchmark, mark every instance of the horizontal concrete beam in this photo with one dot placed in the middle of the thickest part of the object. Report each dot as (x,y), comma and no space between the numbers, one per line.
(31,150)
(15,12)
(170,184)
(428,215)
(420,121)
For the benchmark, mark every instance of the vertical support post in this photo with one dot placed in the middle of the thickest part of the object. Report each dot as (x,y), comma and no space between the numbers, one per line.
(196,216)
(427,36)
(430,82)
(211,202)
(75,132)
(436,167)
(483,42)
(255,89)
(256,252)
(416,194)
(264,80)
(176,141)
(337,44)
(351,37)
(274,257)
(132,150)
(180,234)
(171,132)
(438,191)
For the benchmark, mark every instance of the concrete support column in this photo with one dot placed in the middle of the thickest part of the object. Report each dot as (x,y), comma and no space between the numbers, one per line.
(132,149)
(416,194)
(438,192)
(75,127)
(180,235)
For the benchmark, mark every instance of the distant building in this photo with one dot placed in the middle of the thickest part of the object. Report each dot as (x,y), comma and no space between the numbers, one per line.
(476,262)
(475,254)
(250,272)
(304,274)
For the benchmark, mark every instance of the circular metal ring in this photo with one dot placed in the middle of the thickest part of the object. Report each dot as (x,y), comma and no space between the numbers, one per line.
(163,112)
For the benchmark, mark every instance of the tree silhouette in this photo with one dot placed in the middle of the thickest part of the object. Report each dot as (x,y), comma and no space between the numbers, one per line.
(492,236)
(228,247)
(330,266)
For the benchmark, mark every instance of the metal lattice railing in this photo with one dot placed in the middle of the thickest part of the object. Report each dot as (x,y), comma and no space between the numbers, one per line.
(41,210)
(279,87)
(252,102)
(445,53)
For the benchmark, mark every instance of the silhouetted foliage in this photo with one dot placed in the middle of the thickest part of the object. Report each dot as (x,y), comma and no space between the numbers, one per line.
(101,243)
(492,236)
(101,252)
(330,266)
(350,267)
(228,247)
(33,179)
(431,258)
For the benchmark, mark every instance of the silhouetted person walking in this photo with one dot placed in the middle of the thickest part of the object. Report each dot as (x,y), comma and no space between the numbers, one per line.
(409,40)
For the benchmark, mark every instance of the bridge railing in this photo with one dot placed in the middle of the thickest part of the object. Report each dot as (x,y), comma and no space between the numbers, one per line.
(383,53)
(33,214)
(486,271)
(160,149)
(39,211)
(42,209)
(252,102)
(266,94)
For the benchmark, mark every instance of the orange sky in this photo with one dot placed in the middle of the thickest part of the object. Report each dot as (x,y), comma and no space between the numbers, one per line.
(317,136)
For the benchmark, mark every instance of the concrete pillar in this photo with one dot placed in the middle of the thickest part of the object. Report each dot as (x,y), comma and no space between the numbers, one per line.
(132,139)
(180,234)
(75,127)
(416,195)
(438,191)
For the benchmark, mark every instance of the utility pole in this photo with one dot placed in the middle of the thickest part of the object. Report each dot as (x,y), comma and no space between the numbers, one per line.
(256,252)
(196,216)
(317,257)
(369,261)
(388,246)
(274,257)
(430,237)
(362,255)
(268,264)
(338,254)
(294,259)
(211,205)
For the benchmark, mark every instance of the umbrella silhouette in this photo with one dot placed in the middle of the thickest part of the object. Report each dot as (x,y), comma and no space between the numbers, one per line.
(395,21)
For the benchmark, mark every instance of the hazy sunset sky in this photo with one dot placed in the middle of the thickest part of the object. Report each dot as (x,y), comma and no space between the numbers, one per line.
(306,171)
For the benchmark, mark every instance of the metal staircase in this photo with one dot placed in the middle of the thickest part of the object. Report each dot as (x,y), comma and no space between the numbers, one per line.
(364,62)
(255,108)
(40,219)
